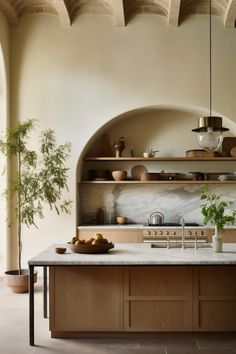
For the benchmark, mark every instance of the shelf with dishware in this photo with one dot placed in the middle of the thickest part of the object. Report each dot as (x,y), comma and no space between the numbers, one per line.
(163,158)
(110,174)
(160,182)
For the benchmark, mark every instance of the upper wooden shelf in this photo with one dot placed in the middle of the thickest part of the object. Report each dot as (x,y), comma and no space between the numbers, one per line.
(164,158)
(160,182)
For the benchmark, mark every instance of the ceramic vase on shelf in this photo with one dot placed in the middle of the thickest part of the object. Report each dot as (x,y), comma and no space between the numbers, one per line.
(217,240)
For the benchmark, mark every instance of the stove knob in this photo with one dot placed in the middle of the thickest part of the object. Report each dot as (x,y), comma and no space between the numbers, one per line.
(189,233)
(195,233)
(201,233)
(148,233)
(160,232)
(167,233)
(173,233)
(154,233)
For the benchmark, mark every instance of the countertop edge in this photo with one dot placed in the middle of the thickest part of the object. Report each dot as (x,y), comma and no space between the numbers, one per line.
(137,254)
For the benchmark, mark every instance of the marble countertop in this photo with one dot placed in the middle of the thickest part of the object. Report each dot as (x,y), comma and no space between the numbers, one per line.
(138,254)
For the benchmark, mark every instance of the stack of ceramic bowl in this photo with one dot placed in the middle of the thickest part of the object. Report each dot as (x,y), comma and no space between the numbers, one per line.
(227,177)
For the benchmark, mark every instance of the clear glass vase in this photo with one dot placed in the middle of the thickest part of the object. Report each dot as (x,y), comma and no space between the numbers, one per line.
(217,240)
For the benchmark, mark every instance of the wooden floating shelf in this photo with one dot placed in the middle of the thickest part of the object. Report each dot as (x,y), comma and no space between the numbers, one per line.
(173,158)
(159,182)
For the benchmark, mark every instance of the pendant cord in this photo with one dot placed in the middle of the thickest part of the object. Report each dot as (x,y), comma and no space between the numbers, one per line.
(210,57)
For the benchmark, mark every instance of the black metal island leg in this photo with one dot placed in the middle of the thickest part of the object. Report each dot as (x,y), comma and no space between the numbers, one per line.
(45,292)
(31,305)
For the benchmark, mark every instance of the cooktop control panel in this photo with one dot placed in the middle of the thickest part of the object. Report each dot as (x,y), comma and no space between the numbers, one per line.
(174,234)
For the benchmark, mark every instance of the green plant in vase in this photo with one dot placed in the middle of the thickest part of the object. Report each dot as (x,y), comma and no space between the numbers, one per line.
(216,211)
(40,178)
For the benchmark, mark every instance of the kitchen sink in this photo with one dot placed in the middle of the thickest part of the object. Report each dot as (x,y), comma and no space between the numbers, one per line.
(179,245)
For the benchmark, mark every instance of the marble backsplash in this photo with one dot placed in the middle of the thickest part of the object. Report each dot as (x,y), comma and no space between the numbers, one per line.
(138,201)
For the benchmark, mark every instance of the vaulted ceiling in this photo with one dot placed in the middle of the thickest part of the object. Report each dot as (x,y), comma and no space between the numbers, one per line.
(175,11)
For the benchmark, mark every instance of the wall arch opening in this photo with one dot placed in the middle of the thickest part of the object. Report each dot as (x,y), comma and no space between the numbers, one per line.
(177,114)
(165,128)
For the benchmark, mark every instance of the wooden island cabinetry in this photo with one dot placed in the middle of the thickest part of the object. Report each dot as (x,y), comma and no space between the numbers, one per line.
(145,293)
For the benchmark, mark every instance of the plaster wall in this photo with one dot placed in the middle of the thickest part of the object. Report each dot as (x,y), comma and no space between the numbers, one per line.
(75,80)
(4,79)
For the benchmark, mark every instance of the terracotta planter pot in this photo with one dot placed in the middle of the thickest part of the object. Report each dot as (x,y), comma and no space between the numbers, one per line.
(18,283)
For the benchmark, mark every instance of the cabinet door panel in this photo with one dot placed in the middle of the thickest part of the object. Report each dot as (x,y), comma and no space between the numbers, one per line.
(86,298)
(215,298)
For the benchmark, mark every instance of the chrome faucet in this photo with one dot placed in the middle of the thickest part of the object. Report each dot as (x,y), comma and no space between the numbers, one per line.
(182,222)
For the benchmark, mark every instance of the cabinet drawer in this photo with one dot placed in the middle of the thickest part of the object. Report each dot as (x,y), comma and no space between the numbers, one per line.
(211,277)
(160,316)
(217,315)
(160,281)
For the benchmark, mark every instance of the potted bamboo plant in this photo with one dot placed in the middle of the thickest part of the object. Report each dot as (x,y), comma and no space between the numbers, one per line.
(215,212)
(40,178)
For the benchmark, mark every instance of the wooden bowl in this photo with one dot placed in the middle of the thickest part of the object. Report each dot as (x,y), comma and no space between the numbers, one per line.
(103,248)
(121,220)
(60,250)
(119,175)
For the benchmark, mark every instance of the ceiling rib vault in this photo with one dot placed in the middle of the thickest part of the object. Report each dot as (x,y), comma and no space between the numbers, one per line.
(175,11)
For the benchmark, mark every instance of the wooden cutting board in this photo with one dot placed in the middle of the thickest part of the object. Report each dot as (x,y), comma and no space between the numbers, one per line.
(228,143)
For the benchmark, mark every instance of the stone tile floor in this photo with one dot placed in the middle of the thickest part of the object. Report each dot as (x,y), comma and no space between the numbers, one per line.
(14,335)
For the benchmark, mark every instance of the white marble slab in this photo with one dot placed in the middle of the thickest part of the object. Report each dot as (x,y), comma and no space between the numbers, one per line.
(137,202)
(138,254)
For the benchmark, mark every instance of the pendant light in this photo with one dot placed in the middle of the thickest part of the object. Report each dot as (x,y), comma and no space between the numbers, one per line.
(210,130)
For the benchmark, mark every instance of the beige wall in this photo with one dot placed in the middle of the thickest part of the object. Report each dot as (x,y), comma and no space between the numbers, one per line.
(4,79)
(75,80)
(4,39)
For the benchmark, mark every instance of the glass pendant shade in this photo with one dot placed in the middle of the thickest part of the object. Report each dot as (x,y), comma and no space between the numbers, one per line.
(210,132)
(210,140)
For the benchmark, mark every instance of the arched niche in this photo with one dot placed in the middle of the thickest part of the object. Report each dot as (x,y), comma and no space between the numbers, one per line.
(3,163)
(164,128)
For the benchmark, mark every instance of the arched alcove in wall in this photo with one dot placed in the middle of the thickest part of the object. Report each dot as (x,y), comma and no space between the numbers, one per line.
(3,162)
(164,128)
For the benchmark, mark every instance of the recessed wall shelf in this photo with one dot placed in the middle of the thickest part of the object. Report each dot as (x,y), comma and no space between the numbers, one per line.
(167,158)
(160,182)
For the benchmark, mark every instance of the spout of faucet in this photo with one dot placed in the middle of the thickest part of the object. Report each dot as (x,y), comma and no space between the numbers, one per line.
(182,221)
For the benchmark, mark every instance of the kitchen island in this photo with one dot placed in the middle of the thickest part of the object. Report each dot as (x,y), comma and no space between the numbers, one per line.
(137,288)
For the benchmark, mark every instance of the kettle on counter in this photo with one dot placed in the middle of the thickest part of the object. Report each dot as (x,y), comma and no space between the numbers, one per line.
(156,218)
